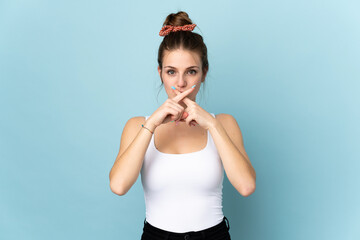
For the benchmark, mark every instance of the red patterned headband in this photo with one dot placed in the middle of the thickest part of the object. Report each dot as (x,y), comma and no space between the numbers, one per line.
(165,30)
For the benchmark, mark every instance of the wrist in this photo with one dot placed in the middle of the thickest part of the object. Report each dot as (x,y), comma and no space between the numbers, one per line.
(148,124)
(214,124)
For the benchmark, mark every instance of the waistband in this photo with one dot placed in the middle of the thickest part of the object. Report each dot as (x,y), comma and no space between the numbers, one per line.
(223,225)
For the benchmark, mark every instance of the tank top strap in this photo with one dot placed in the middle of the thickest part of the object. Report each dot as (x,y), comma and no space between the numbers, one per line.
(211,141)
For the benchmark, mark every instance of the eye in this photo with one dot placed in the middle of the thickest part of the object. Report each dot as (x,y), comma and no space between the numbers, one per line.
(169,72)
(192,72)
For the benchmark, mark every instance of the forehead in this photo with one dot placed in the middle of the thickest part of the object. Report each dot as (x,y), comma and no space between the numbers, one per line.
(180,58)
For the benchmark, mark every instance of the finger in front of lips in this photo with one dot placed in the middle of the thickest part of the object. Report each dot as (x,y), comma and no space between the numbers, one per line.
(182,95)
(177,92)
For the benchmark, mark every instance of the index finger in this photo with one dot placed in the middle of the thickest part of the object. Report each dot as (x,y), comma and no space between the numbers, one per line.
(182,95)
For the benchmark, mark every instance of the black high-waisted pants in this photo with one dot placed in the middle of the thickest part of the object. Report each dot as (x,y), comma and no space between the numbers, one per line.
(217,232)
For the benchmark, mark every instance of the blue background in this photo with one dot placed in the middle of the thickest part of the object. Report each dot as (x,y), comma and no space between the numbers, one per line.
(73,72)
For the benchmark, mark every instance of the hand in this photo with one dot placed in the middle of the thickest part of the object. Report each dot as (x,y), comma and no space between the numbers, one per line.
(169,110)
(196,114)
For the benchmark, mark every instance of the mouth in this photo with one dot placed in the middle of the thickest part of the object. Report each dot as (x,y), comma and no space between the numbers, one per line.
(181,91)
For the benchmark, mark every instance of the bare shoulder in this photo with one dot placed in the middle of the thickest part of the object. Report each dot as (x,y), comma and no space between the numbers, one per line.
(136,120)
(131,129)
(226,120)
(229,123)
(133,124)
(222,116)
(233,130)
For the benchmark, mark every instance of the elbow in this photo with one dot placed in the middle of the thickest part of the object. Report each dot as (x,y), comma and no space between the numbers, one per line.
(248,193)
(118,190)
(249,190)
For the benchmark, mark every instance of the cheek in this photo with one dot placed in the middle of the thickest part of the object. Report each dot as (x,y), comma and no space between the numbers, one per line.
(199,78)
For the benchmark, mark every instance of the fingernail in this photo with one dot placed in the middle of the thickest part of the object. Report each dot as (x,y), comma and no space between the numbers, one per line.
(173,87)
(193,86)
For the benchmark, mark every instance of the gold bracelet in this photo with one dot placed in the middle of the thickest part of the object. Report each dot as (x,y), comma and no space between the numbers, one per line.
(146,128)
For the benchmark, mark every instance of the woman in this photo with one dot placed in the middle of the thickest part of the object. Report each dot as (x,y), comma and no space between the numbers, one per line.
(182,150)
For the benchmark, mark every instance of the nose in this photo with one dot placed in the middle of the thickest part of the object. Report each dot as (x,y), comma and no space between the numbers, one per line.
(181,82)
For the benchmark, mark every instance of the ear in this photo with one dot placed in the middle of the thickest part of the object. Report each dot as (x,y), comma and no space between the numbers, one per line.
(159,70)
(204,75)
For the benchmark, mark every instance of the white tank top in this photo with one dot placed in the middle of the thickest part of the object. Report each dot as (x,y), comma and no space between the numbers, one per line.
(183,192)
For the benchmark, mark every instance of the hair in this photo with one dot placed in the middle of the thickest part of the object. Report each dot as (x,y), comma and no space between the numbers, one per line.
(186,40)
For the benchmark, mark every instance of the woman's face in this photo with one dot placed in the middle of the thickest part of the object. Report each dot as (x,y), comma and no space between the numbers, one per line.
(181,69)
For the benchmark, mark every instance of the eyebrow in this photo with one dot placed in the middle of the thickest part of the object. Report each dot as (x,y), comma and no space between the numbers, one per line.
(187,68)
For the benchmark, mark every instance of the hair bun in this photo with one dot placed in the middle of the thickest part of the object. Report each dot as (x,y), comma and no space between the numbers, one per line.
(178,19)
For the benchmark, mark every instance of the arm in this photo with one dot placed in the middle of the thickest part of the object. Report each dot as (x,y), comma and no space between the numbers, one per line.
(134,141)
(228,140)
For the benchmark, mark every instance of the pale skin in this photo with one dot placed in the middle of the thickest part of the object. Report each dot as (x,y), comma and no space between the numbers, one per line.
(182,69)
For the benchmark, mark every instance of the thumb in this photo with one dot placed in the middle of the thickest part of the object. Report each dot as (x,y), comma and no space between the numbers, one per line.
(184,116)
